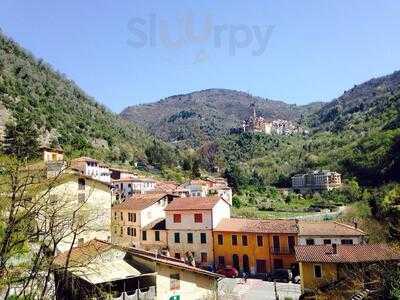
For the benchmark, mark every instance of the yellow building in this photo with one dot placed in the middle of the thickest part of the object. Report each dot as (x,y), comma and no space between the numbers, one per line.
(99,269)
(84,204)
(340,271)
(255,246)
(52,154)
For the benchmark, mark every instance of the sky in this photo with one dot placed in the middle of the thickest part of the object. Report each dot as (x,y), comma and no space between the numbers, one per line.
(130,52)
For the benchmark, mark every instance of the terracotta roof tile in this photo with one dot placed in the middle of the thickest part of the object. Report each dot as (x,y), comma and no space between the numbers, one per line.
(140,201)
(82,254)
(88,251)
(328,228)
(257,226)
(345,253)
(193,203)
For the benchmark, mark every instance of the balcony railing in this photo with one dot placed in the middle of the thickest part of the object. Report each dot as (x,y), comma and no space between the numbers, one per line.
(282,250)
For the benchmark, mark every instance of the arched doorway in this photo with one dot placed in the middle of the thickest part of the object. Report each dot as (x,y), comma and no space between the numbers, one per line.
(246,264)
(235,261)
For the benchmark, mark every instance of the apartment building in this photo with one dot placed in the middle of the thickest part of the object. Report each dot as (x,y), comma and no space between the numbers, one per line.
(135,221)
(255,246)
(316,181)
(189,223)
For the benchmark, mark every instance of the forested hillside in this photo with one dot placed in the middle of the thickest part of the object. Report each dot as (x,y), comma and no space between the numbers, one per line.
(194,118)
(36,100)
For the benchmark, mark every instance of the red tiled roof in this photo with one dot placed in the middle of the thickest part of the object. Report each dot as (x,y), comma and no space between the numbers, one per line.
(166,186)
(345,253)
(193,203)
(83,254)
(139,202)
(328,228)
(257,226)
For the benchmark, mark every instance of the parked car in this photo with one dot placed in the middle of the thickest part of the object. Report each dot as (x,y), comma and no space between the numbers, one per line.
(280,275)
(229,272)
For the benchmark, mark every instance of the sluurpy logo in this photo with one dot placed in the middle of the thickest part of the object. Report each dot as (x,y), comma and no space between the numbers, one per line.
(156,31)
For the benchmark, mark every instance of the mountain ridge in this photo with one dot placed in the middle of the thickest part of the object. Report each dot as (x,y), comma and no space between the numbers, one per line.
(205,114)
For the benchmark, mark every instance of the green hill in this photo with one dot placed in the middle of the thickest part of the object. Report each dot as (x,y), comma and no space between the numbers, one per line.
(32,93)
(201,116)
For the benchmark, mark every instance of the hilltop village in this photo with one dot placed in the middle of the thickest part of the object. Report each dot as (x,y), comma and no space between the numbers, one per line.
(162,240)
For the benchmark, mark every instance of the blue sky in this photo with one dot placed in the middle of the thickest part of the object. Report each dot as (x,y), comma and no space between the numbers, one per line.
(121,52)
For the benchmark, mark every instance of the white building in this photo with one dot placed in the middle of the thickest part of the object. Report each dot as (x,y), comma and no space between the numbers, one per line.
(329,232)
(135,221)
(189,223)
(93,168)
(207,187)
(129,186)
(316,181)
(84,206)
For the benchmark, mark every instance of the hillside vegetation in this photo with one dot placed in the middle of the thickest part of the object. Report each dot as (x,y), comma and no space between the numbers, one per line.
(39,100)
(194,118)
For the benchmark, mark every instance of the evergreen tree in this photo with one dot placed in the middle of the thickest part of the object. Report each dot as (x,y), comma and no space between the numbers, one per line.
(21,138)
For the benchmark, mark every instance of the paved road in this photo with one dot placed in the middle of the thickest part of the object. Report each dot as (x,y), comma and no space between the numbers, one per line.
(256,289)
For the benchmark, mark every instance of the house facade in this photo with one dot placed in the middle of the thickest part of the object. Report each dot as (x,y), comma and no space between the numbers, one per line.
(89,202)
(190,222)
(255,246)
(339,271)
(330,232)
(134,221)
(103,270)
(316,181)
(52,154)
(92,168)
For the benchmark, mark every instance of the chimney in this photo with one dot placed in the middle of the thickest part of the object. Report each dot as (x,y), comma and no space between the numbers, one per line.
(334,249)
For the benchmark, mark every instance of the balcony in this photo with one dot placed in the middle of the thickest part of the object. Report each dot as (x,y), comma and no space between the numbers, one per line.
(282,250)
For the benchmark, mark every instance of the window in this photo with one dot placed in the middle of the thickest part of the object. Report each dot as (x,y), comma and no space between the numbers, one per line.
(276,243)
(134,231)
(190,238)
(220,239)
(157,236)
(327,242)
(347,242)
(259,240)
(174,282)
(177,218)
(234,239)
(131,217)
(144,235)
(291,243)
(317,271)
(198,218)
(177,237)
(244,240)
(81,184)
(203,257)
(128,231)
(80,241)
(177,255)
(221,261)
(81,197)
(122,216)
(310,242)
(121,231)
(115,215)
(203,238)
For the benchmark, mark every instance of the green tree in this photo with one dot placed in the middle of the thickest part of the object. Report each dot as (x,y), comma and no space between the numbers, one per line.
(21,138)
